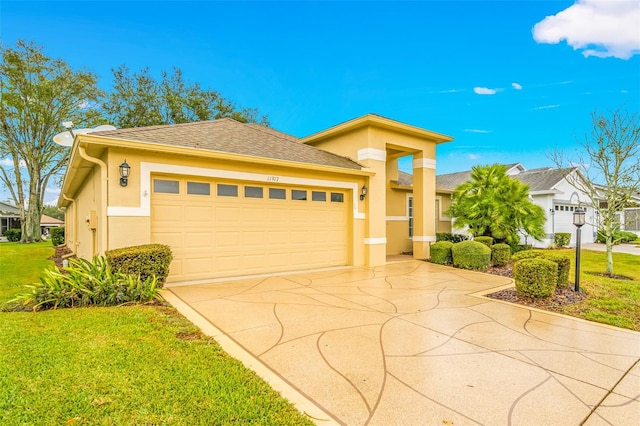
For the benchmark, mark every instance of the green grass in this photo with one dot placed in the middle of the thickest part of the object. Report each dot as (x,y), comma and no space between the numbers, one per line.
(21,264)
(609,301)
(125,365)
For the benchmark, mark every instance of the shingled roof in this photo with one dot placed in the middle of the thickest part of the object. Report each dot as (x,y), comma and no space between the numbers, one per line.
(543,179)
(231,136)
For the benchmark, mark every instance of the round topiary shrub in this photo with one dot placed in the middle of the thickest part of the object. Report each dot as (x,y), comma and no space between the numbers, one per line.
(471,255)
(500,254)
(535,277)
(487,241)
(441,252)
(564,265)
(526,254)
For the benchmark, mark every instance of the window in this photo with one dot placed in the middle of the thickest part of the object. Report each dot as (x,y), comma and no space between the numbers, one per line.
(410,214)
(166,186)
(318,196)
(227,190)
(337,197)
(298,194)
(253,192)
(277,194)
(198,188)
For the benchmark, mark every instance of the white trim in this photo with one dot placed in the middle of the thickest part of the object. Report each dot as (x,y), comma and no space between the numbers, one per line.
(146,169)
(397,218)
(424,238)
(424,163)
(375,240)
(372,154)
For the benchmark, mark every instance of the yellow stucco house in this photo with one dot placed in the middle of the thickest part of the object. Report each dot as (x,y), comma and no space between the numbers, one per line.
(234,199)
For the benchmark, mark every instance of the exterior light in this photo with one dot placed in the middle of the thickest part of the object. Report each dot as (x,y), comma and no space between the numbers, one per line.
(578,221)
(363,192)
(125,170)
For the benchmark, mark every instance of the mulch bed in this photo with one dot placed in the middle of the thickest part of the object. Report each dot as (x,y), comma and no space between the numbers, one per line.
(61,251)
(564,296)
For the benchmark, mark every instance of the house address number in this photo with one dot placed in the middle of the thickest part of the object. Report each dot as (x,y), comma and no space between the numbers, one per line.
(273,178)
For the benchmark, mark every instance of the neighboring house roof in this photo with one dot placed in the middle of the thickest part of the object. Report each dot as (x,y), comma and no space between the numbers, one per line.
(50,221)
(404,178)
(231,136)
(7,210)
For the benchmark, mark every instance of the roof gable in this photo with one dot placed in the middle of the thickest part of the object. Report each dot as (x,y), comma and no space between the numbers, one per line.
(230,136)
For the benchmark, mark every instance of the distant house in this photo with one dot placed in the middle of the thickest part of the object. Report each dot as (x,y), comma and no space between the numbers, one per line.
(548,188)
(10,219)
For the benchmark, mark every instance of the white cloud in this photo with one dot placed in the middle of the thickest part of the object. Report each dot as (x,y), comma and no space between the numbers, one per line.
(484,91)
(9,162)
(52,190)
(516,86)
(544,107)
(477,131)
(600,28)
(451,91)
(473,156)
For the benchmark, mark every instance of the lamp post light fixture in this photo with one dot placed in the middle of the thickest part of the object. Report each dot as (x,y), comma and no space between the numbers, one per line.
(578,221)
(363,193)
(125,170)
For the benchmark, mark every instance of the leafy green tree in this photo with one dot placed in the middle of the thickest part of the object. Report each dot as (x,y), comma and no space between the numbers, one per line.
(610,155)
(53,211)
(37,94)
(495,205)
(138,99)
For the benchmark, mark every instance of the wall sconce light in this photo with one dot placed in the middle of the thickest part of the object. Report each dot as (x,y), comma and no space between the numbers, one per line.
(125,170)
(363,192)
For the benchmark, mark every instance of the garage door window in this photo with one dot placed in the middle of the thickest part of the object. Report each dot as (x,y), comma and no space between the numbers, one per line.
(298,194)
(253,192)
(227,190)
(318,196)
(198,188)
(337,197)
(277,194)
(166,186)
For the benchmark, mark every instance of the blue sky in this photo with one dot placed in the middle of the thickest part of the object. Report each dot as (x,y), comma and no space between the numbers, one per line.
(474,70)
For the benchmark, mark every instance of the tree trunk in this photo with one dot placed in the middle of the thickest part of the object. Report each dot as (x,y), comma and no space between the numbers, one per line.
(609,244)
(31,223)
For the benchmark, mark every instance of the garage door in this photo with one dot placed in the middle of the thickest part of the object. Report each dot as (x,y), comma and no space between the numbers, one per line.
(222,228)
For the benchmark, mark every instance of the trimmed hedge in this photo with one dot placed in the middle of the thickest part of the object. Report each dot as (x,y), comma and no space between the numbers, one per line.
(441,252)
(516,248)
(487,241)
(526,254)
(57,236)
(535,277)
(448,236)
(471,255)
(618,237)
(562,239)
(13,235)
(564,265)
(146,261)
(500,254)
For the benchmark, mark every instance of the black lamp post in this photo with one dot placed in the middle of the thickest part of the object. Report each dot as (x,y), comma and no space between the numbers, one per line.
(578,221)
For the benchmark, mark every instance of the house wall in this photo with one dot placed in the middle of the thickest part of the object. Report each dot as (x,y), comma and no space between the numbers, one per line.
(128,212)
(444,221)
(83,240)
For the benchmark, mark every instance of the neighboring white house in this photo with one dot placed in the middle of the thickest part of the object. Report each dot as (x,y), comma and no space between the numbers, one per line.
(549,189)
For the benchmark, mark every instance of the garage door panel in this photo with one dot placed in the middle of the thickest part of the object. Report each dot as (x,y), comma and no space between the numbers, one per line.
(214,236)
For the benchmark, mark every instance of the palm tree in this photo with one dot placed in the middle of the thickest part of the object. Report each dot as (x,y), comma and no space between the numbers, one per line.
(493,204)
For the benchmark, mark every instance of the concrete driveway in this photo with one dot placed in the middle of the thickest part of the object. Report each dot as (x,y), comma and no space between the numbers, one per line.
(413,343)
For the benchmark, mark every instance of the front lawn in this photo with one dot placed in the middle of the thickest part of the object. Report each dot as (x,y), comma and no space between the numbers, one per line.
(122,365)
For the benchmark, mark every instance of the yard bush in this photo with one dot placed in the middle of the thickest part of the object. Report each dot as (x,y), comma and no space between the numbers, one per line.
(146,261)
(487,241)
(618,237)
(526,254)
(535,277)
(441,252)
(500,254)
(563,263)
(448,236)
(13,235)
(57,236)
(516,248)
(471,255)
(85,283)
(562,239)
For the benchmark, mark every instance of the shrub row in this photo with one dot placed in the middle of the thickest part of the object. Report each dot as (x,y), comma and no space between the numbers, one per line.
(148,260)
(470,254)
(618,236)
(453,238)
(13,235)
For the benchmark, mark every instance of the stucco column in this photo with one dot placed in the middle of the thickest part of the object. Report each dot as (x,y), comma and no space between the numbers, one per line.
(375,238)
(424,199)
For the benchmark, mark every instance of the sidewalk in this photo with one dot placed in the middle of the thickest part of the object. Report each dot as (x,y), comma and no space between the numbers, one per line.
(620,248)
